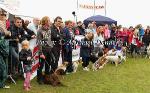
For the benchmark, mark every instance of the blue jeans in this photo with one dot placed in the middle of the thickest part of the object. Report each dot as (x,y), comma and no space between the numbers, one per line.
(14,59)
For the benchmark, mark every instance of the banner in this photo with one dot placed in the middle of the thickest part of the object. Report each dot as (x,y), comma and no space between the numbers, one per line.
(89,8)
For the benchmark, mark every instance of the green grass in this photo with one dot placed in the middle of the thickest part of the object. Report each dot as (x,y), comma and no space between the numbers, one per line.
(132,76)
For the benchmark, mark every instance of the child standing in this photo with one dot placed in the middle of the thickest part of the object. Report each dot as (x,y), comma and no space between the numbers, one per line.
(86,49)
(25,56)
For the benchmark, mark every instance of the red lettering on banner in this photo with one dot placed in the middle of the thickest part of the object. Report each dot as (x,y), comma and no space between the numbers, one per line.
(90,7)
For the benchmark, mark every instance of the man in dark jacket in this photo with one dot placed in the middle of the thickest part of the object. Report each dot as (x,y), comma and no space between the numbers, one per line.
(17,35)
(56,37)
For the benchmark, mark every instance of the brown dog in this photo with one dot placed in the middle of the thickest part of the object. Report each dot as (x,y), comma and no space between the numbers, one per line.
(99,64)
(54,79)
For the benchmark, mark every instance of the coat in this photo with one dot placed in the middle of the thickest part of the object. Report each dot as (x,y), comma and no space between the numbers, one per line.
(137,41)
(4,51)
(44,40)
(85,50)
(23,55)
(67,39)
(15,33)
(146,39)
(56,36)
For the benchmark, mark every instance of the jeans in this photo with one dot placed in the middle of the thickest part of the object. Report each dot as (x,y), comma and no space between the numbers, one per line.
(27,80)
(14,59)
(68,58)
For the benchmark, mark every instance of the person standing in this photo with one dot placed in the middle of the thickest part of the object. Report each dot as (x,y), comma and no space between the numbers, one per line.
(34,26)
(17,36)
(3,50)
(86,49)
(56,37)
(68,38)
(25,55)
(45,46)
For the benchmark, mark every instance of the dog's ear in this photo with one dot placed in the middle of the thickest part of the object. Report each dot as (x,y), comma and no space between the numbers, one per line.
(65,63)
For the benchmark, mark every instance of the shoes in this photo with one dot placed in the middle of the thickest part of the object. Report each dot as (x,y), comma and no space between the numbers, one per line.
(6,87)
(86,69)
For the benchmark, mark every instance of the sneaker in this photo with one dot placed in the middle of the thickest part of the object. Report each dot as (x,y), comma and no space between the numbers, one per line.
(86,69)
(6,87)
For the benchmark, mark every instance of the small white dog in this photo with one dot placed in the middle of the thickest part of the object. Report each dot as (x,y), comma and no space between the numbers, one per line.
(119,57)
(115,59)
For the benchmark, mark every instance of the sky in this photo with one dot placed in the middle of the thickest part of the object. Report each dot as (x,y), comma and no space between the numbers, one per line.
(125,12)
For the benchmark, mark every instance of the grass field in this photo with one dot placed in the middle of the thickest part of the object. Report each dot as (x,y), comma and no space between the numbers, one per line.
(132,76)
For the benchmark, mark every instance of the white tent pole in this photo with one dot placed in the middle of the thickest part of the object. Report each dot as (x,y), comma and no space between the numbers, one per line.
(77,10)
(94,7)
(105,7)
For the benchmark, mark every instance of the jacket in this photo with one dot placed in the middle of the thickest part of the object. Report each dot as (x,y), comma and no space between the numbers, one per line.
(44,39)
(23,55)
(146,39)
(86,47)
(15,33)
(68,38)
(56,36)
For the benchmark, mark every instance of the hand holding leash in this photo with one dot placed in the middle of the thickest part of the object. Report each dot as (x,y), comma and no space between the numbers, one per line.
(28,58)
(42,56)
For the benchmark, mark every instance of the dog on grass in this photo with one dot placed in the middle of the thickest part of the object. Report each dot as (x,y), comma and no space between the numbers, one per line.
(55,78)
(75,66)
(99,64)
(116,59)
(63,66)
